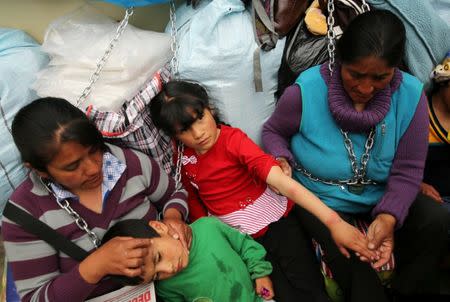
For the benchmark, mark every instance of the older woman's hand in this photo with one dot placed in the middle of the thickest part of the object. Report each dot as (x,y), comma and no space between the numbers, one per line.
(347,236)
(380,235)
(430,191)
(285,166)
(177,227)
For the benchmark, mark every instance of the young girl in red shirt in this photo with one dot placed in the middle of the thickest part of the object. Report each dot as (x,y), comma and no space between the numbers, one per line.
(228,176)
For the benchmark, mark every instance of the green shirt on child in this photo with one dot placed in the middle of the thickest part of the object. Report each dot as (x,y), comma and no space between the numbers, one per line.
(222,266)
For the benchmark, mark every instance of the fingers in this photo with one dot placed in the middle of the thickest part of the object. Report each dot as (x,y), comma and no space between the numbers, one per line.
(359,245)
(274,189)
(435,194)
(182,232)
(285,166)
(133,272)
(344,251)
(136,248)
(135,263)
(430,191)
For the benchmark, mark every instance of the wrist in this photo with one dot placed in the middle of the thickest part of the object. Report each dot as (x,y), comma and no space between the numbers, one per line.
(172,213)
(332,219)
(91,269)
(389,219)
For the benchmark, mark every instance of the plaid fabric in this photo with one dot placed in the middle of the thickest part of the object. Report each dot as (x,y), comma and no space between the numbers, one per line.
(362,226)
(132,126)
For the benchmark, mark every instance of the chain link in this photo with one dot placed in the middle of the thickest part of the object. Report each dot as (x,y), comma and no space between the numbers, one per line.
(81,223)
(365,6)
(174,45)
(359,173)
(331,36)
(102,62)
(180,150)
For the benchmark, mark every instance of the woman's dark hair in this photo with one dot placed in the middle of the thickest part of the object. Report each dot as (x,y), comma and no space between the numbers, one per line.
(377,33)
(179,105)
(136,228)
(40,127)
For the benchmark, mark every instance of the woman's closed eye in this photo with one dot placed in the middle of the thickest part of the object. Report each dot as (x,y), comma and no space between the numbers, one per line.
(72,166)
(356,75)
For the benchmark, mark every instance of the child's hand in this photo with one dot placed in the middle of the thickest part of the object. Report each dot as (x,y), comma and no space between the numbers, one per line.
(264,288)
(347,236)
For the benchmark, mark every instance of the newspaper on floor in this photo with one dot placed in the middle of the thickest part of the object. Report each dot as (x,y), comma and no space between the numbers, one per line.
(139,293)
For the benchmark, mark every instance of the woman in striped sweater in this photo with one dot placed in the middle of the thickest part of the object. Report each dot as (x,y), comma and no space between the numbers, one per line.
(73,170)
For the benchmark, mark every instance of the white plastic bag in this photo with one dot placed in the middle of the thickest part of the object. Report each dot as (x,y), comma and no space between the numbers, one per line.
(442,7)
(216,46)
(77,41)
(20,59)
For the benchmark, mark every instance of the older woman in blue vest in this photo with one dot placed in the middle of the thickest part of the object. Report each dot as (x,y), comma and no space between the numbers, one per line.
(357,137)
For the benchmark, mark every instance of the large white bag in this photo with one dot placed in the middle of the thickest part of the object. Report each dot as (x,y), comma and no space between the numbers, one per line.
(77,41)
(216,47)
(20,59)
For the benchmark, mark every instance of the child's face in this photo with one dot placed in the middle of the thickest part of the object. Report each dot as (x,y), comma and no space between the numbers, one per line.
(166,256)
(202,134)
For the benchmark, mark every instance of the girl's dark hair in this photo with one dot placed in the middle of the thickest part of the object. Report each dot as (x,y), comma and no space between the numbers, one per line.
(40,127)
(435,86)
(179,104)
(136,228)
(377,33)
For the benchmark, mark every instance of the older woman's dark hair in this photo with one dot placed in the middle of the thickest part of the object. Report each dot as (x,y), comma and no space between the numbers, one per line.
(40,127)
(377,33)
(178,105)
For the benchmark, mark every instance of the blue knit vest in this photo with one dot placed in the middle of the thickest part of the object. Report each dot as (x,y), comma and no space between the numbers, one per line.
(319,145)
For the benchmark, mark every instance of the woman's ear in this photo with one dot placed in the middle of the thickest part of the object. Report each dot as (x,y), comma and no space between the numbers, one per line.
(42,174)
(159,227)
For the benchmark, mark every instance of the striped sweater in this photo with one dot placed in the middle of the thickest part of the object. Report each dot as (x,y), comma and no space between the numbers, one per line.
(41,273)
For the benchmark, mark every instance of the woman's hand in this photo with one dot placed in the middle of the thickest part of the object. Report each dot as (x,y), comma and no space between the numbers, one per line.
(285,166)
(430,191)
(380,235)
(347,236)
(178,229)
(264,288)
(119,256)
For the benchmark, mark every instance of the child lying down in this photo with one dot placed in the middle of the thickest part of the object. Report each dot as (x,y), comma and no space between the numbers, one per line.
(222,264)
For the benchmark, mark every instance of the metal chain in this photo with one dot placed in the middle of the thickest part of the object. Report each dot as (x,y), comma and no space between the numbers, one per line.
(102,62)
(81,223)
(302,170)
(180,150)
(331,36)
(175,75)
(174,45)
(365,7)
(358,173)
